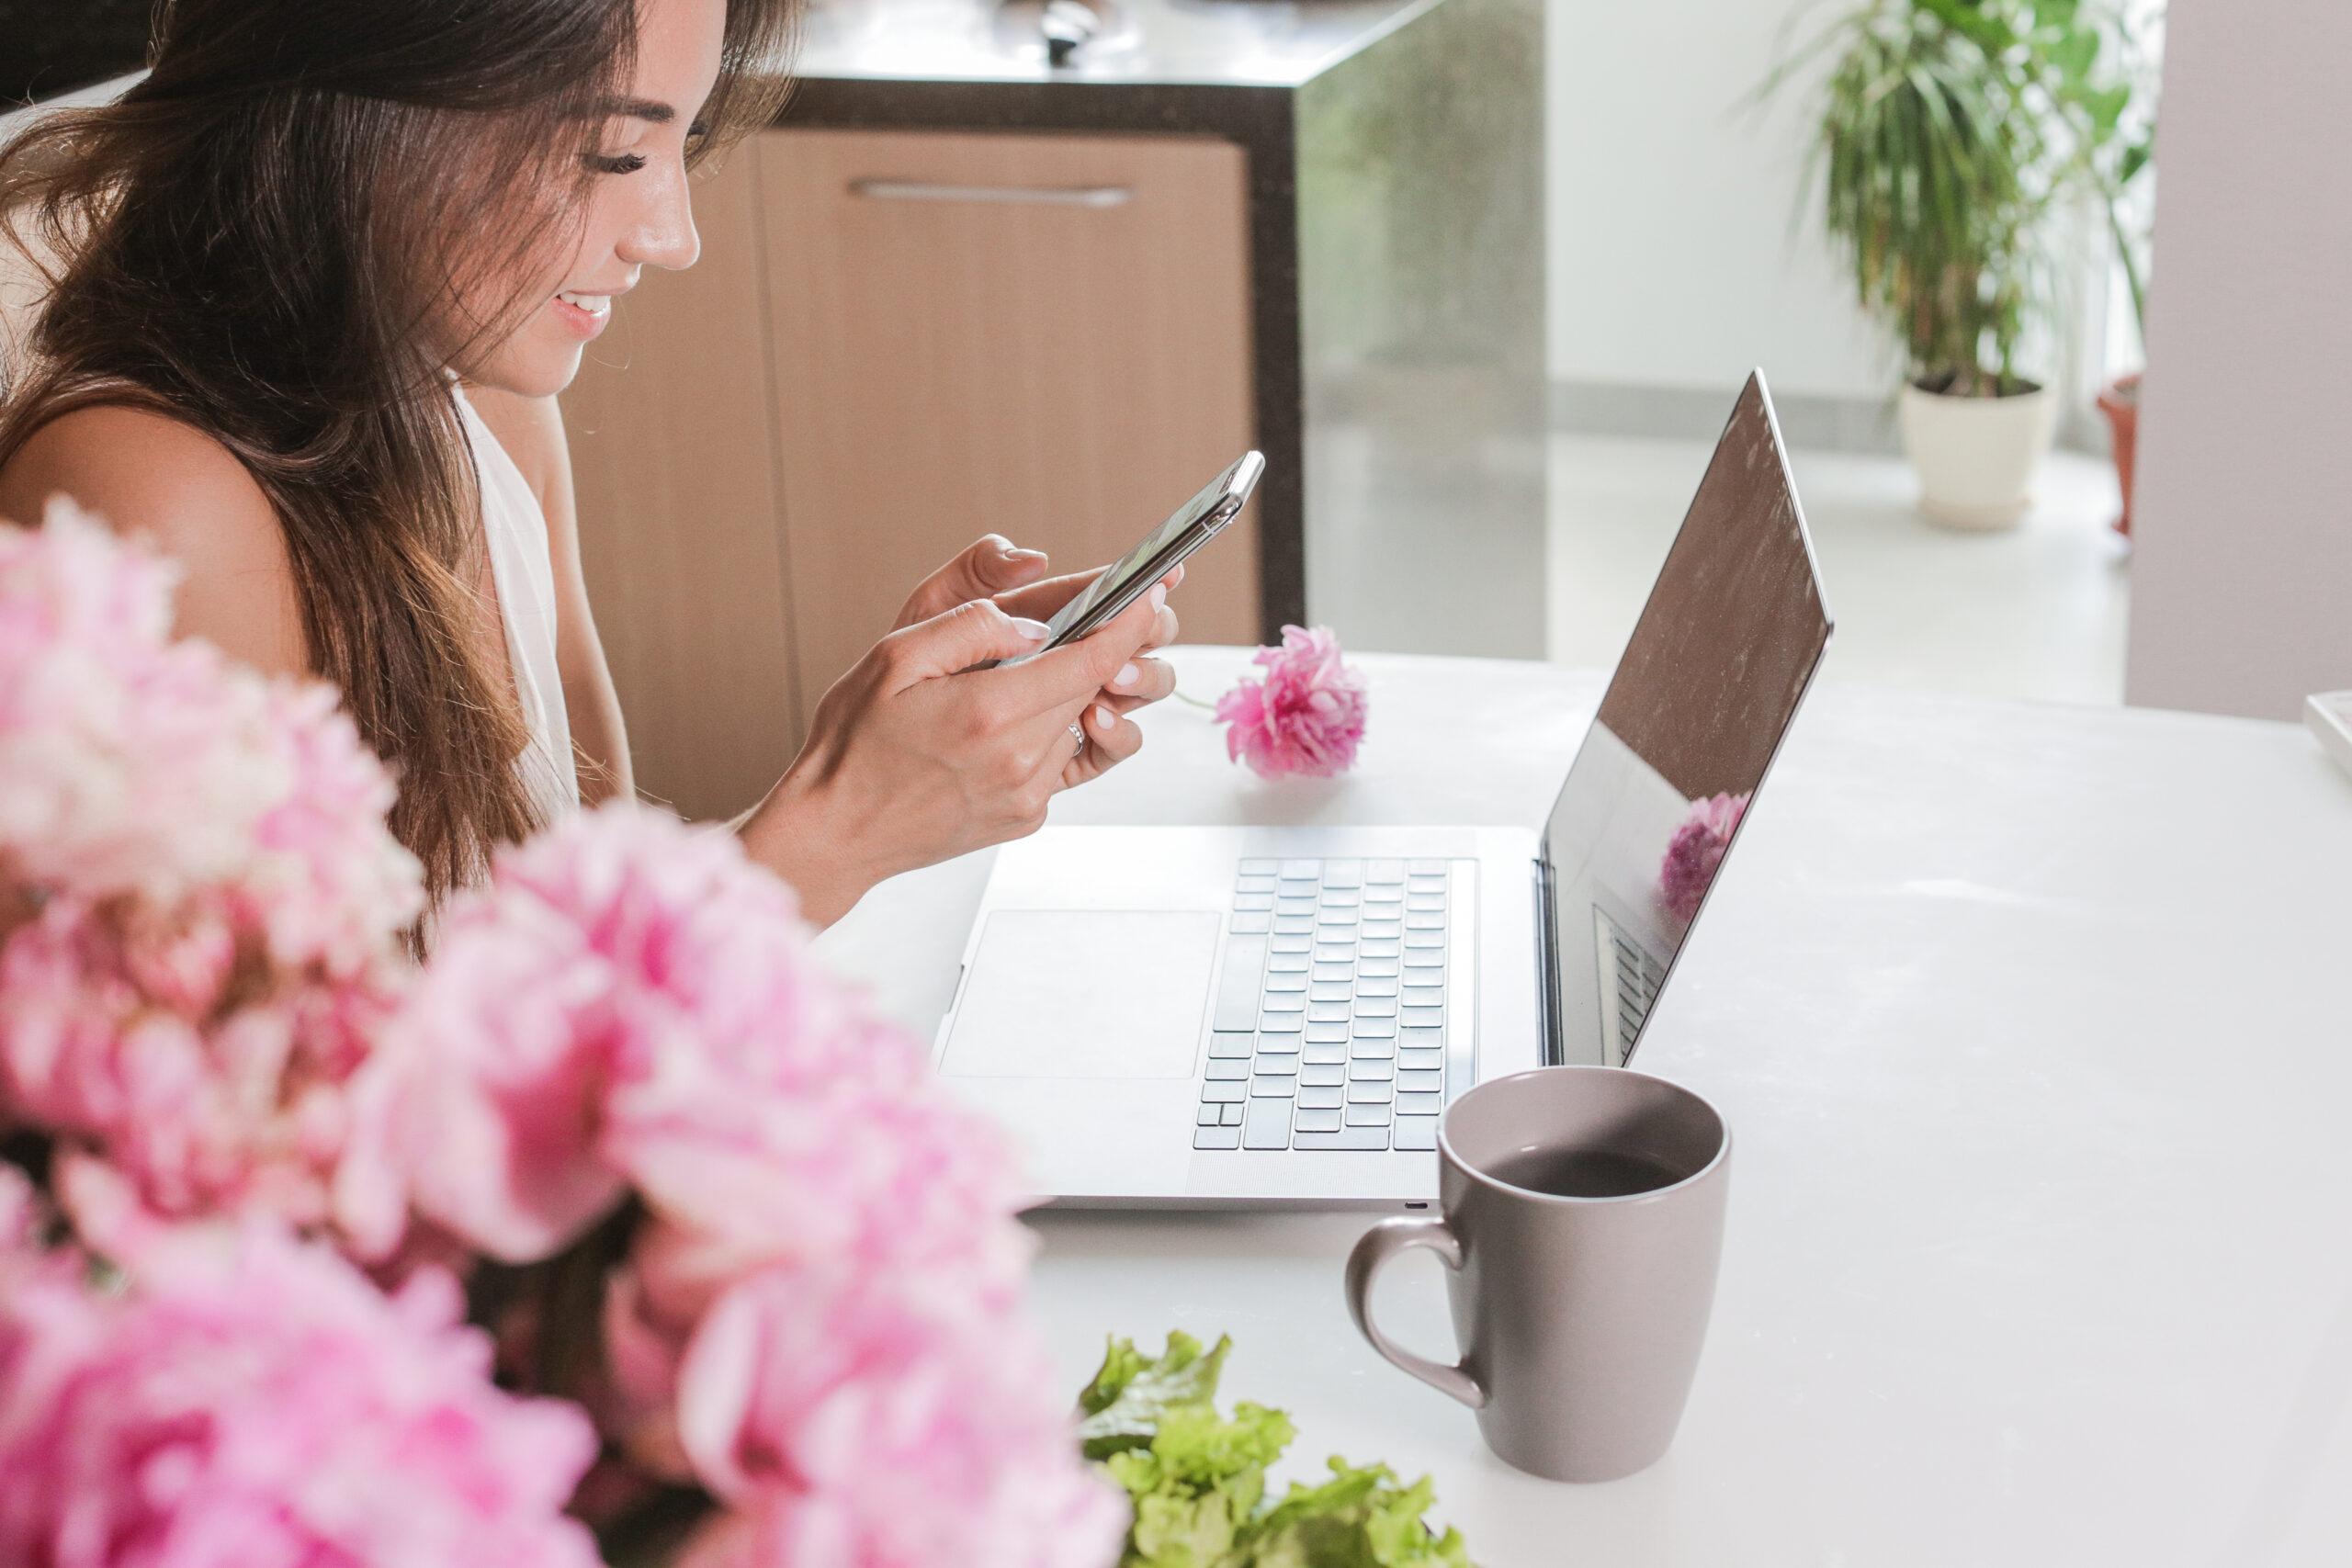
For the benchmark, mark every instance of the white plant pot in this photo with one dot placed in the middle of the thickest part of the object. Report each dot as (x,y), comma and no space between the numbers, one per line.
(1975,457)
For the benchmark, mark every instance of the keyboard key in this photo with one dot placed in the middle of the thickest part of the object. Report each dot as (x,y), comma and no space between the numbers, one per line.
(1373,1050)
(1274,1085)
(1217,1138)
(1267,1126)
(1292,905)
(1376,965)
(1301,870)
(1344,873)
(1282,981)
(1326,1012)
(1370,1069)
(1419,1081)
(1228,1072)
(1424,923)
(1237,988)
(1280,1023)
(1251,925)
(1417,1133)
(1220,1092)
(1291,1002)
(1257,866)
(1293,941)
(1375,1028)
(1247,882)
(1384,871)
(1232,1048)
(1419,1059)
(1228,1115)
(1345,1138)
(1421,1018)
(1335,970)
(1294,925)
(1335,947)
(1367,1116)
(1327,992)
(1341,898)
(1371,950)
(1377,985)
(1321,1097)
(1207,1117)
(1336,920)
(1419,1104)
(1324,1033)
(1428,955)
(1421,1037)
(1320,1120)
(1368,1006)
(1321,1074)
(1380,931)
(1392,894)
(1278,1054)
(1326,1052)
(1426,867)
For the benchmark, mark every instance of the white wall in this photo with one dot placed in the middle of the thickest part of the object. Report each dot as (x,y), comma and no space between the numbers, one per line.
(2242,580)
(1674,261)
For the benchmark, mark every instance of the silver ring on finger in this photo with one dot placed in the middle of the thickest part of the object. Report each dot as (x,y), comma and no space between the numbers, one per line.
(1077,733)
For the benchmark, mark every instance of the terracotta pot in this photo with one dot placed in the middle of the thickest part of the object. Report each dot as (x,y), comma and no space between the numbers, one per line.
(2119,400)
(1975,457)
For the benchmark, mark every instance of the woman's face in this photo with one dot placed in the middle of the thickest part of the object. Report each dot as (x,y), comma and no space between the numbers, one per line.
(636,211)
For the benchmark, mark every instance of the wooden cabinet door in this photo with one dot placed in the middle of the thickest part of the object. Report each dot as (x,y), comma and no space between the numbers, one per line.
(1044,336)
(672,429)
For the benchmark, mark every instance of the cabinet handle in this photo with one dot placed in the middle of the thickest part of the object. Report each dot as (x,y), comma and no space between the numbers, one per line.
(1033,196)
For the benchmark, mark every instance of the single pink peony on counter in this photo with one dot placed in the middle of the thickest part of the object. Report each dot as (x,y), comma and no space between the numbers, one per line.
(1695,852)
(251,1401)
(1304,716)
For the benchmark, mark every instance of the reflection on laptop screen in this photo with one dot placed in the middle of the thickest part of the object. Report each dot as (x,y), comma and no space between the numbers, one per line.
(1705,690)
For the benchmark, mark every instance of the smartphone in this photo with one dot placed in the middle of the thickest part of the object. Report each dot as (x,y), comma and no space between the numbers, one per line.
(1192,524)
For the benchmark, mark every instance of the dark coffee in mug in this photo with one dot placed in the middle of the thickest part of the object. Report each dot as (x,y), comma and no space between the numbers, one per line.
(1584,1173)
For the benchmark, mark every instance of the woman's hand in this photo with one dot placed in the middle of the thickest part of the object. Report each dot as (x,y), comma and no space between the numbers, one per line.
(915,755)
(1012,579)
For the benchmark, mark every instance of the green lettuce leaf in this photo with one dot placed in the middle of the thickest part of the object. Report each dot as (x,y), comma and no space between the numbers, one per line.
(1197,1479)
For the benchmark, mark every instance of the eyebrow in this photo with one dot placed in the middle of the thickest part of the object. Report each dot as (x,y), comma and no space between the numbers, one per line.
(647,109)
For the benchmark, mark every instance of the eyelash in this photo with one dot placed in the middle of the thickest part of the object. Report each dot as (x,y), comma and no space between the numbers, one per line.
(629,163)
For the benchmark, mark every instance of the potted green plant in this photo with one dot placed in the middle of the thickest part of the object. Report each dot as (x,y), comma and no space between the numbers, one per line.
(1949,131)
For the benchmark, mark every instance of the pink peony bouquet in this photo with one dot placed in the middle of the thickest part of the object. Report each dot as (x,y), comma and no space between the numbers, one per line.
(1304,716)
(1695,852)
(747,1258)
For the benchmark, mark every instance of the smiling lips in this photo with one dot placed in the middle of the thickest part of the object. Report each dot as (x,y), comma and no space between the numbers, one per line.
(584,314)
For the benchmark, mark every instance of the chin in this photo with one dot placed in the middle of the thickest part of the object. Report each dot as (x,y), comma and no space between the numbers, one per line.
(532,363)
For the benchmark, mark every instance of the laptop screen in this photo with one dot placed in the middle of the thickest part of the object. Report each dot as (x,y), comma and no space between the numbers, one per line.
(1704,690)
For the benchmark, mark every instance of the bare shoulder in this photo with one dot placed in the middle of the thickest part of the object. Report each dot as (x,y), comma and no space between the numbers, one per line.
(150,476)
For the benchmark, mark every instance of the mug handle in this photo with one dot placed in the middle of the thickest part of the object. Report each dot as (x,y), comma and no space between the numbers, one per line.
(1381,1242)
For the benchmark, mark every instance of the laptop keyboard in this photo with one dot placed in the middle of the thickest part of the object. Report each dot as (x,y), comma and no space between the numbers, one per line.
(1330,1026)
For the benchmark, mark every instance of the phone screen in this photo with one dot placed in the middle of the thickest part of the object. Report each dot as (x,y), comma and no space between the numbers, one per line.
(1159,550)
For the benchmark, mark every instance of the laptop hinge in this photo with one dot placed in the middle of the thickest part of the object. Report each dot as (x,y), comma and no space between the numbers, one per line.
(1547,977)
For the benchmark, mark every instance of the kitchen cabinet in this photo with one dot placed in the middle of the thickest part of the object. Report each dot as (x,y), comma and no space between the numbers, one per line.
(896,342)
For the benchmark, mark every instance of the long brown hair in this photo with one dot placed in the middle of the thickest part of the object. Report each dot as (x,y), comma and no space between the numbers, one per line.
(257,240)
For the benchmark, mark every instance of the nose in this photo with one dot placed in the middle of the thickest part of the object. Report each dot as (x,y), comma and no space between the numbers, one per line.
(664,234)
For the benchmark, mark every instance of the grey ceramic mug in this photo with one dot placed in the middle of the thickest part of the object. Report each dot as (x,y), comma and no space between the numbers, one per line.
(1579,1319)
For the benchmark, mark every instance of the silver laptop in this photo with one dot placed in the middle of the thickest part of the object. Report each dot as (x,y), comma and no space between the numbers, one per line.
(1277,1015)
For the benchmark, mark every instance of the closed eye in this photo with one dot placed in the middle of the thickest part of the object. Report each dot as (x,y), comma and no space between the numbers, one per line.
(625,163)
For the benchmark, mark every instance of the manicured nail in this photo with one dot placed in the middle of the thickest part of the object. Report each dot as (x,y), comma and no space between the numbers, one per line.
(1159,597)
(1014,553)
(1105,719)
(1035,631)
(1126,677)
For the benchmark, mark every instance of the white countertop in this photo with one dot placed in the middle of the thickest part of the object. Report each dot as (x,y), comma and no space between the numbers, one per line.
(2033,1026)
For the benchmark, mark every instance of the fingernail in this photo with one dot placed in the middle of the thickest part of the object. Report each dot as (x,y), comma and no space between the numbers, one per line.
(1035,631)
(1014,553)
(1159,597)
(1127,676)
(1105,719)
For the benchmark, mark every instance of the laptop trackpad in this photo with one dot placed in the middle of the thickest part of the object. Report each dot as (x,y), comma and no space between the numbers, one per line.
(1085,994)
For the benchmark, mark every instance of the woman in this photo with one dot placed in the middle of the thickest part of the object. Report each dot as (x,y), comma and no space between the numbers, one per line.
(316,282)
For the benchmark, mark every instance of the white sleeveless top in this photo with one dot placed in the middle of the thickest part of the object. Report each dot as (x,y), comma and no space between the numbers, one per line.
(520,571)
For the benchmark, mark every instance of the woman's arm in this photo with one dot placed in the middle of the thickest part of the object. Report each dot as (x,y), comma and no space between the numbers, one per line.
(151,477)
(531,429)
